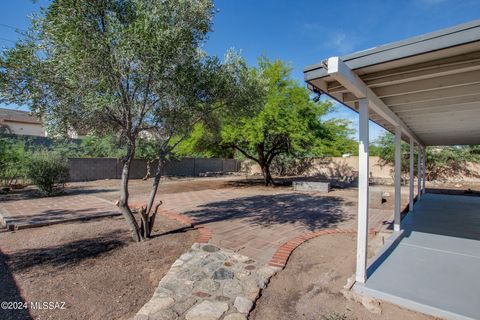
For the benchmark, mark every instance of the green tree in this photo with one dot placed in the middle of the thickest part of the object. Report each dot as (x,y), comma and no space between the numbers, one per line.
(14,159)
(112,67)
(211,90)
(441,162)
(385,149)
(283,119)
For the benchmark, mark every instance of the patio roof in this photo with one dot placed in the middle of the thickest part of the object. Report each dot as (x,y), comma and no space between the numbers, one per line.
(429,85)
(425,90)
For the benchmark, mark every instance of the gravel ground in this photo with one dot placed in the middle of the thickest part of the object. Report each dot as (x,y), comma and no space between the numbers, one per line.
(92,266)
(310,286)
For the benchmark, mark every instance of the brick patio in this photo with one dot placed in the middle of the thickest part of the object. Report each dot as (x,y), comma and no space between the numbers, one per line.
(250,221)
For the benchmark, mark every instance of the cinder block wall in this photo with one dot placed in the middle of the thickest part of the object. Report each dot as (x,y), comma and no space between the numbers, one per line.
(87,169)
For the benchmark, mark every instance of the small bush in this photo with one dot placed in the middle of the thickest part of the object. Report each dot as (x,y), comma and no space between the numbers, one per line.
(14,159)
(48,171)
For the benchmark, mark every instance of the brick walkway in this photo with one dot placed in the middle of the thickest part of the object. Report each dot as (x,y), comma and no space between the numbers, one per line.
(251,222)
(256,225)
(43,211)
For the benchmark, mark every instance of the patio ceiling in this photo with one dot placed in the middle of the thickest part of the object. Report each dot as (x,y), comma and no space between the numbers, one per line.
(428,85)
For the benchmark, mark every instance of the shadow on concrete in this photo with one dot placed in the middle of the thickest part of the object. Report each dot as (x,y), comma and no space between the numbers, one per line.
(10,292)
(65,255)
(312,211)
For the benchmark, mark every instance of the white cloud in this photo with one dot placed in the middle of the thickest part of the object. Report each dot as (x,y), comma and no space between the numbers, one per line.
(432,2)
(338,41)
(341,43)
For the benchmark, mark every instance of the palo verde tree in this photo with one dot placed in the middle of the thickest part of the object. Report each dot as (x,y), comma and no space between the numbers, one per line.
(111,67)
(282,119)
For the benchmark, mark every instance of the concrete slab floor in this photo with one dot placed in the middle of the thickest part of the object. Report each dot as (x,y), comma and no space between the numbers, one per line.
(434,267)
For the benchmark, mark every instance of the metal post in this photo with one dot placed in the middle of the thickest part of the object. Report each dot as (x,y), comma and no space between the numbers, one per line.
(363,172)
(411,178)
(424,158)
(419,173)
(398,175)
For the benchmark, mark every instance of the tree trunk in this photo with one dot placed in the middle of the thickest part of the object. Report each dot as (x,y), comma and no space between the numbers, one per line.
(148,174)
(267,176)
(156,182)
(123,201)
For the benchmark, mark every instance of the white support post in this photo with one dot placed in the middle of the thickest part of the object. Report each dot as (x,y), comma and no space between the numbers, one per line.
(398,175)
(419,173)
(411,178)
(363,173)
(424,158)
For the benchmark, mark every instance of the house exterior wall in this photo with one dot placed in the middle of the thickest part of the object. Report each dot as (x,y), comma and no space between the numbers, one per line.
(23,128)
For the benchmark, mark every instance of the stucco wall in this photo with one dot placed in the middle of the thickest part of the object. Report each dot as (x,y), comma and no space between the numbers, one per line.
(343,169)
(346,169)
(30,129)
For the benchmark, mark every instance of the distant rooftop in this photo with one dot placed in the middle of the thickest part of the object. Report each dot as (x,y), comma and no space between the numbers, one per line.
(12,115)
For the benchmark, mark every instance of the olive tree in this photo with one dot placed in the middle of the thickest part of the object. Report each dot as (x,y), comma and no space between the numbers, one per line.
(118,67)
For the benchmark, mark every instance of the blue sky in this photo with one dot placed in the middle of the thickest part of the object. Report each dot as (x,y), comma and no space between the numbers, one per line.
(301,32)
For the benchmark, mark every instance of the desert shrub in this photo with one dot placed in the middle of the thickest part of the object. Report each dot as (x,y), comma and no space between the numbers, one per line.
(442,163)
(288,165)
(14,159)
(48,171)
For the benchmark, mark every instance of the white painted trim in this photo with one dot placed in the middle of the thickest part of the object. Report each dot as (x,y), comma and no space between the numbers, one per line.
(398,175)
(411,178)
(363,173)
(419,173)
(424,158)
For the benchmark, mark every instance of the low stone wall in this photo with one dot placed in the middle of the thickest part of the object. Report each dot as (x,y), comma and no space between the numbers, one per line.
(87,169)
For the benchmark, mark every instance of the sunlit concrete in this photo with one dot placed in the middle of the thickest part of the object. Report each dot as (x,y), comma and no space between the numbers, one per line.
(434,265)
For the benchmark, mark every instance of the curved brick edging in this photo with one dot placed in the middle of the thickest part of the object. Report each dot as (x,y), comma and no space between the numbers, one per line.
(205,232)
(281,256)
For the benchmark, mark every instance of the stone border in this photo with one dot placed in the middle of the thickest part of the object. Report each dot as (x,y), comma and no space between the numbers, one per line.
(283,253)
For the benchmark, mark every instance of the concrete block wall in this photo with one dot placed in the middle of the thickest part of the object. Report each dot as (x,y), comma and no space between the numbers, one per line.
(87,169)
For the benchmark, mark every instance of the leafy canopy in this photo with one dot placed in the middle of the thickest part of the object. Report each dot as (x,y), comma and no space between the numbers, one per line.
(441,162)
(285,120)
(281,118)
(112,66)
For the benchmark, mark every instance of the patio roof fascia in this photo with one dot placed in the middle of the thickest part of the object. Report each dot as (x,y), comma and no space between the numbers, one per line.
(433,41)
(338,70)
(428,85)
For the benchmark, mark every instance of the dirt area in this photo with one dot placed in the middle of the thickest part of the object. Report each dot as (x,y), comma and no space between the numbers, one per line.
(310,286)
(92,266)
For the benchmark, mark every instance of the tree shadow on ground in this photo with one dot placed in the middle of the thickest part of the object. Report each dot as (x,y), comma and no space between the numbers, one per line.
(314,212)
(10,292)
(33,193)
(65,255)
(282,182)
(54,216)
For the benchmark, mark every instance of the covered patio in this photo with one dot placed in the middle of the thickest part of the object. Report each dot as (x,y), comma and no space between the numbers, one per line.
(426,91)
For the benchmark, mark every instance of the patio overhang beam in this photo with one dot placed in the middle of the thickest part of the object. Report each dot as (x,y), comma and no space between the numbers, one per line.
(441,68)
(338,70)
